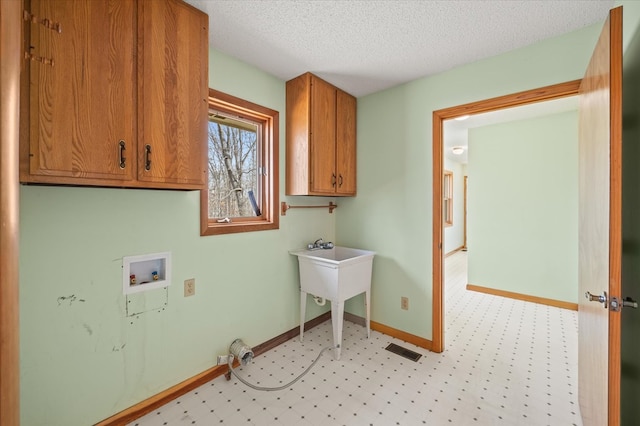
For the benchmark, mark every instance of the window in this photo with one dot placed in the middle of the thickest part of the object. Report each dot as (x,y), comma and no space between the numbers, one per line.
(242,192)
(447,204)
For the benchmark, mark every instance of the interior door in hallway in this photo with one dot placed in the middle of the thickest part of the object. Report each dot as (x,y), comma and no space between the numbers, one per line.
(599,228)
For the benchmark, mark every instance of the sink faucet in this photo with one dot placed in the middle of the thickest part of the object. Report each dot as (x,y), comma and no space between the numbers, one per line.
(314,245)
(319,244)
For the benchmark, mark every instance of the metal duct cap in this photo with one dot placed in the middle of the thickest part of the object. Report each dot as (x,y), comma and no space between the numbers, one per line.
(241,351)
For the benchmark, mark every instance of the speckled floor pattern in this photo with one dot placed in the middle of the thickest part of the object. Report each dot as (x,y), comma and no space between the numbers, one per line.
(506,362)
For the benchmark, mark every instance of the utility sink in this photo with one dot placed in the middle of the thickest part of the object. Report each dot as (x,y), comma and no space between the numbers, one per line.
(335,274)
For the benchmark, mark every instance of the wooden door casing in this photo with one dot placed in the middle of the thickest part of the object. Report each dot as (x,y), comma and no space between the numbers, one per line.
(541,94)
(12,51)
(599,229)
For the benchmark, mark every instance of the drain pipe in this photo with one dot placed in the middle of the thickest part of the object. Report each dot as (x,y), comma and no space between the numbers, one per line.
(320,301)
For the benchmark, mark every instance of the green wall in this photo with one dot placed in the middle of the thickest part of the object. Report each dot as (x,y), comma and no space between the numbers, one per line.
(392,213)
(630,20)
(82,358)
(523,206)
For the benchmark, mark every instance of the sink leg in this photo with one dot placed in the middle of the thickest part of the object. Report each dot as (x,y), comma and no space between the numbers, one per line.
(367,306)
(303,311)
(337,317)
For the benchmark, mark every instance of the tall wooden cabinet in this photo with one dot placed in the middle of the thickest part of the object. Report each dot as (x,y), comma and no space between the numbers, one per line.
(115,93)
(321,138)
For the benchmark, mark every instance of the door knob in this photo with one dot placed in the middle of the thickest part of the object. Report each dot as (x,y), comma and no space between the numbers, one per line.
(597,298)
(629,303)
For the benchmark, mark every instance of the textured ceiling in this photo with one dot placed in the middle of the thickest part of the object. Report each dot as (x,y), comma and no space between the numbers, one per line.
(366,46)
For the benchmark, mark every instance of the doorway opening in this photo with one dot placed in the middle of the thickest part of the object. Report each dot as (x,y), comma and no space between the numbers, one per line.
(438,248)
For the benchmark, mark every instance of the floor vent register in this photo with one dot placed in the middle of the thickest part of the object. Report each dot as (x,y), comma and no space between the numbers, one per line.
(404,352)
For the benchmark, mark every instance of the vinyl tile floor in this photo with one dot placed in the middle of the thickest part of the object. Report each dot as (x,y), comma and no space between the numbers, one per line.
(506,362)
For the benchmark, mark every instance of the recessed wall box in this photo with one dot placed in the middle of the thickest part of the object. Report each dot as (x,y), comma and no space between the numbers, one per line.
(146,272)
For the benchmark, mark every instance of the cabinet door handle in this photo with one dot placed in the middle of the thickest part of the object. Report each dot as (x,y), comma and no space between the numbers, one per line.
(333,179)
(123,161)
(147,157)
(340,180)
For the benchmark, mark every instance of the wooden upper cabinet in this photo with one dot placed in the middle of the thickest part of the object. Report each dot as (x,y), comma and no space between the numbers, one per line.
(121,88)
(173,93)
(321,138)
(82,98)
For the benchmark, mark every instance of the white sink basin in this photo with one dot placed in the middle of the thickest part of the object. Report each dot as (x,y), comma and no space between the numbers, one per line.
(336,274)
(337,255)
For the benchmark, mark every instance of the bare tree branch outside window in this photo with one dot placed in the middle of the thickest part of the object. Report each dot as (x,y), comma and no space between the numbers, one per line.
(233,167)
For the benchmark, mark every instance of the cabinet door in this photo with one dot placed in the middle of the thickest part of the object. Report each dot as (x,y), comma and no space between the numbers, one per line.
(173,90)
(322,153)
(298,98)
(346,143)
(83,103)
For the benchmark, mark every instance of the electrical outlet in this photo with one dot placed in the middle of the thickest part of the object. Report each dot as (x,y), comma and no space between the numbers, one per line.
(404,303)
(223,359)
(189,287)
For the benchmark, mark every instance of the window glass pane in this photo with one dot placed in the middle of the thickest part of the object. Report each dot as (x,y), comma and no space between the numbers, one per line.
(447,192)
(241,194)
(234,190)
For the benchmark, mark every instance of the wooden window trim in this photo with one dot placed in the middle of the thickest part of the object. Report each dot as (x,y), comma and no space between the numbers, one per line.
(269,120)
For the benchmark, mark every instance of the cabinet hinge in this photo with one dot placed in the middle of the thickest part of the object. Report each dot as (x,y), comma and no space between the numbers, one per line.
(46,22)
(42,59)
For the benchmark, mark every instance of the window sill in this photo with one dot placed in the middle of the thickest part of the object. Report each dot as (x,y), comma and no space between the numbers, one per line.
(215,228)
